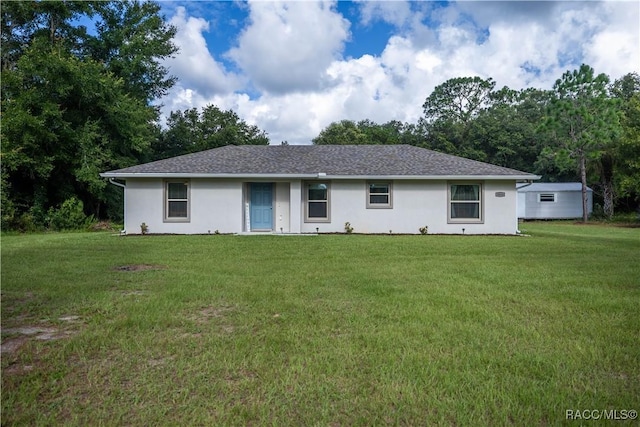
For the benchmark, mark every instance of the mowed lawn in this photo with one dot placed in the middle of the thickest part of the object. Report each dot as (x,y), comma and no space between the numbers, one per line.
(320,330)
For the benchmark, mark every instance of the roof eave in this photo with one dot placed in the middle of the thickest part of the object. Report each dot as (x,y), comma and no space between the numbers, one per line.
(124,175)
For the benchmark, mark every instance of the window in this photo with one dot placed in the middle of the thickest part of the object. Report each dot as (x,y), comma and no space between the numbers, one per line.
(465,203)
(546,197)
(176,201)
(379,195)
(317,202)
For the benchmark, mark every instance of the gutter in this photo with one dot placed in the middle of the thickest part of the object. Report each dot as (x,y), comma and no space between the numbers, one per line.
(528,183)
(320,175)
(114,182)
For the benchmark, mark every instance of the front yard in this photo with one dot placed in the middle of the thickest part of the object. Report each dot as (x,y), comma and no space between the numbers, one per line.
(327,330)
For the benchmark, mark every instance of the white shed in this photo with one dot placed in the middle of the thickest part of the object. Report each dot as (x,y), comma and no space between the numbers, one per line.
(552,200)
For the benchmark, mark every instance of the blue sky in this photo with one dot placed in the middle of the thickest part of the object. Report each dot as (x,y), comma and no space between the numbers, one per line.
(292,68)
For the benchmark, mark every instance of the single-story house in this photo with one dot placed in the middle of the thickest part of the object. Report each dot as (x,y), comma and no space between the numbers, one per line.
(544,200)
(317,189)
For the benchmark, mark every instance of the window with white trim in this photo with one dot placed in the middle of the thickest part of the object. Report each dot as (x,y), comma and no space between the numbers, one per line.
(465,202)
(317,206)
(379,195)
(547,197)
(176,206)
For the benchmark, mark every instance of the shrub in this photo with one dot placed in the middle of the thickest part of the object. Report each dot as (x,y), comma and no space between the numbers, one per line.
(69,216)
(26,223)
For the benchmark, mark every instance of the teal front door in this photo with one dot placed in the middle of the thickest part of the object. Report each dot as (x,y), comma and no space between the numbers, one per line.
(261,212)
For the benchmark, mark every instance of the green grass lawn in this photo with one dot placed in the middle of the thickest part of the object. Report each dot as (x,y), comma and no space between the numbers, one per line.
(327,330)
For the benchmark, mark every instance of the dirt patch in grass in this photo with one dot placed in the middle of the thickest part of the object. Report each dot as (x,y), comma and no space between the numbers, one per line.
(139,267)
(216,314)
(11,345)
(103,226)
(17,369)
(133,293)
(212,312)
(20,335)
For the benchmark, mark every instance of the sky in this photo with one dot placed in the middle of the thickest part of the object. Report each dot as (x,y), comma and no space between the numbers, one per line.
(293,68)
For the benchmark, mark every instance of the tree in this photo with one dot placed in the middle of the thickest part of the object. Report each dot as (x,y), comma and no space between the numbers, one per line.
(64,121)
(627,150)
(583,120)
(449,112)
(459,99)
(344,132)
(72,103)
(348,132)
(131,37)
(506,132)
(190,131)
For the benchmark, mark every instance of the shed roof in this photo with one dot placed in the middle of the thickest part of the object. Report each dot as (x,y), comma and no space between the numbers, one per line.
(312,160)
(552,187)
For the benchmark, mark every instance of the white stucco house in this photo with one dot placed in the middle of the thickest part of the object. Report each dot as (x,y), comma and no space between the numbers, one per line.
(552,200)
(317,189)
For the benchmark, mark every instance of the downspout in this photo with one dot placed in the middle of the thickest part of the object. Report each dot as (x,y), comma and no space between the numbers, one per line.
(527,183)
(112,181)
(124,199)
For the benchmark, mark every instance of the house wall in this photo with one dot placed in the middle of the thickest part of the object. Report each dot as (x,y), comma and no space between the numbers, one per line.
(567,205)
(415,204)
(214,205)
(217,204)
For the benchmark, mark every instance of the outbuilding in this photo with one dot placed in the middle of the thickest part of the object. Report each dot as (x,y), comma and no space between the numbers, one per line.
(552,200)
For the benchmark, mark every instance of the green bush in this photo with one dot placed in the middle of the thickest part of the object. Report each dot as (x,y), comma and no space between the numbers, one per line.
(26,223)
(69,216)
(8,216)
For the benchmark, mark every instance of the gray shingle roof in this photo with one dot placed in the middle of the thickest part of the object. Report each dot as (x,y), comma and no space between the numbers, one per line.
(334,160)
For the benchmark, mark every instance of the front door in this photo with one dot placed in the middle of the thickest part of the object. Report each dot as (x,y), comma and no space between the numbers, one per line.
(261,214)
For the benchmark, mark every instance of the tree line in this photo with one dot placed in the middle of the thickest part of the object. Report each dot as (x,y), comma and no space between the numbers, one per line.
(80,80)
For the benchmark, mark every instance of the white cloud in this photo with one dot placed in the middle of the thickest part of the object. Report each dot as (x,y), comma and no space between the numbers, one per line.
(194,65)
(292,54)
(397,13)
(289,45)
(614,50)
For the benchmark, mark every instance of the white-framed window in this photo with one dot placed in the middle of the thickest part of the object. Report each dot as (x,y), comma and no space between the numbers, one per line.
(465,202)
(547,197)
(317,201)
(379,195)
(176,201)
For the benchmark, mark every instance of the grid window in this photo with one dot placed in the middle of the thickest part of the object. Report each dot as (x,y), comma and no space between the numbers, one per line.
(317,202)
(177,201)
(465,203)
(379,195)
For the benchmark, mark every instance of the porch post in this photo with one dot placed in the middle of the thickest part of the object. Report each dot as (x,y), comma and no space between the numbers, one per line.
(295,203)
